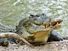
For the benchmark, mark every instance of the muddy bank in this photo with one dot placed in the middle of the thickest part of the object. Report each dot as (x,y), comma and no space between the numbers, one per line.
(53,46)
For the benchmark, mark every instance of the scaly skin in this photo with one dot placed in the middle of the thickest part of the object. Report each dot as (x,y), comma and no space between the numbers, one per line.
(36,30)
(37,26)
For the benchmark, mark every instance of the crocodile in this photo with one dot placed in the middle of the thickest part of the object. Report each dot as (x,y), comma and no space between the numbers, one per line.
(36,29)
(39,29)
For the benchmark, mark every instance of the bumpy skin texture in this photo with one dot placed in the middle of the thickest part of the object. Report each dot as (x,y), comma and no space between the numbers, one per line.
(39,29)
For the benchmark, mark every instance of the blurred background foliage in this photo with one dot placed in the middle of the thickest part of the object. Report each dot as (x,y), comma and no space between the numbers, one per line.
(12,11)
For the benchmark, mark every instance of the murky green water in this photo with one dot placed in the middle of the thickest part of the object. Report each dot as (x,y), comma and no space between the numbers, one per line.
(12,11)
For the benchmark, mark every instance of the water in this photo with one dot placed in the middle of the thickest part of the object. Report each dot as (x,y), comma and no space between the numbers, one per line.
(12,11)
